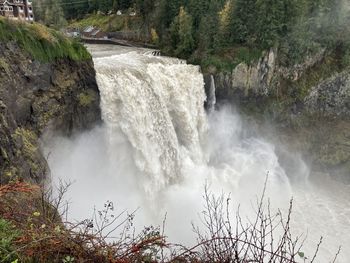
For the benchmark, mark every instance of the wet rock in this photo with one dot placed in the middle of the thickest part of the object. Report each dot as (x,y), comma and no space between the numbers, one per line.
(35,97)
(331,97)
(247,81)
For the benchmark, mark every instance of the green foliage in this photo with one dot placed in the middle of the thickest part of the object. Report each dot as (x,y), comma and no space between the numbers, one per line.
(42,43)
(68,259)
(297,45)
(86,98)
(299,28)
(109,23)
(208,39)
(77,9)
(105,5)
(8,234)
(29,140)
(49,12)
(270,14)
(313,76)
(243,22)
(346,57)
(4,66)
(247,55)
(124,4)
(197,8)
(195,28)
(228,59)
(145,7)
(182,33)
(218,63)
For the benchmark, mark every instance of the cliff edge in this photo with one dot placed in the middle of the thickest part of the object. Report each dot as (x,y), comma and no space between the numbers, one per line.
(46,82)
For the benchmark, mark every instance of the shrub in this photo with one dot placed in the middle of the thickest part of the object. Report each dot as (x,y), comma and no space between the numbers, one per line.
(45,238)
(8,234)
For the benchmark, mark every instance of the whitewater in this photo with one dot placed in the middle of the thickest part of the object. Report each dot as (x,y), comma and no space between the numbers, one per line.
(158,148)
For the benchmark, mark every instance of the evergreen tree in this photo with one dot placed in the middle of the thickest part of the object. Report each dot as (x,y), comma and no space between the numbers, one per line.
(223,34)
(125,4)
(49,12)
(115,6)
(145,8)
(168,11)
(182,33)
(243,22)
(270,22)
(92,6)
(198,9)
(105,5)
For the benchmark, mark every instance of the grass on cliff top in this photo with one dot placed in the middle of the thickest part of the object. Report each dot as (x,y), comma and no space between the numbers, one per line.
(42,43)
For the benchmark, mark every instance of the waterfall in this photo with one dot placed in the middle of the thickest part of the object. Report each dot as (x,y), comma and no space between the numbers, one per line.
(158,104)
(212,94)
(158,148)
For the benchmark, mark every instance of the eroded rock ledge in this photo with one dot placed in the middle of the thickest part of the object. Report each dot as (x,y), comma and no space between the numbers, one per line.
(34,96)
(309,105)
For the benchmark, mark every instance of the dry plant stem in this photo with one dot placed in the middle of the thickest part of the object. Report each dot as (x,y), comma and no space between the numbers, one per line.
(267,238)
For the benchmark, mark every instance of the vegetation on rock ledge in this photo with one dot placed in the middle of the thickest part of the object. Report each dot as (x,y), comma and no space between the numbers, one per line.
(40,42)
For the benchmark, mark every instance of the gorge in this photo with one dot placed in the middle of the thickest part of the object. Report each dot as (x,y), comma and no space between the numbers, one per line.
(157,149)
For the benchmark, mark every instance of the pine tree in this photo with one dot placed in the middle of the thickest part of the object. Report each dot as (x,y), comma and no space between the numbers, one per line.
(243,22)
(198,9)
(125,4)
(270,22)
(92,6)
(49,12)
(145,8)
(223,34)
(115,6)
(182,33)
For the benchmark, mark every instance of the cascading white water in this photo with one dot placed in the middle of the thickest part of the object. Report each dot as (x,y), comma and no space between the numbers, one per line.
(158,148)
(212,94)
(157,104)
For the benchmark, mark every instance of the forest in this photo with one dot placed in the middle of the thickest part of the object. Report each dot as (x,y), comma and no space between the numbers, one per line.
(201,29)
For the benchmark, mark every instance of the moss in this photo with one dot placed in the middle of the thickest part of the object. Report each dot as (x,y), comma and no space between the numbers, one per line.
(86,98)
(333,156)
(4,66)
(314,76)
(3,121)
(47,116)
(40,42)
(29,140)
(11,172)
(29,149)
(4,153)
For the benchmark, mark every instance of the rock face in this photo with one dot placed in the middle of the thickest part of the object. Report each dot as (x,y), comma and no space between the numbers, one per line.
(329,104)
(309,104)
(331,97)
(34,97)
(261,79)
(247,81)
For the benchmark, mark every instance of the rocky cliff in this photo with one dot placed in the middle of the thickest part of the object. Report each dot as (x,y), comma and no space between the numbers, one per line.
(36,96)
(309,103)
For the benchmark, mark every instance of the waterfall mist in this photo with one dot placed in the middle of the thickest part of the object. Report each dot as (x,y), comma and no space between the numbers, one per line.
(157,149)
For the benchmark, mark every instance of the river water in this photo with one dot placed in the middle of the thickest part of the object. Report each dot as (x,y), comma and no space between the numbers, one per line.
(157,150)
